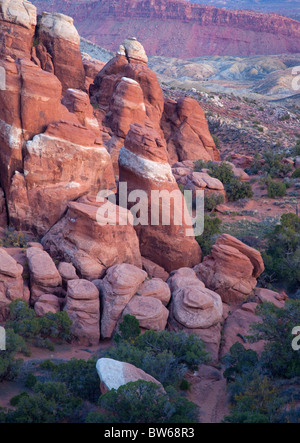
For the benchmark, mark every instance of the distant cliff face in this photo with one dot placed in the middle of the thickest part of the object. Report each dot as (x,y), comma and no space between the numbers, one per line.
(177,28)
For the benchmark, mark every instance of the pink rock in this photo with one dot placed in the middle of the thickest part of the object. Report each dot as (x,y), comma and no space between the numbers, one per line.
(47,303)
(113,374)
(44,277)
(83,308)
(153,270)
(265,295)
(119,286)
(149,311)
(11,283)
(156,288)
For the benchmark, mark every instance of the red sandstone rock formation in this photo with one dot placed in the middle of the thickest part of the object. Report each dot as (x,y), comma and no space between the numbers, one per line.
(17,27)
(186,131)
(231,270)
(59,36)
(91,247)
(143,164)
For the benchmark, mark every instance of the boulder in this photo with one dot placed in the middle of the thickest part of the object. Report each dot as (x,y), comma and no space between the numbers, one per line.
(149,311)
(193,306)
(267,296)
(78,102)
(83,308)
(143,164)
(90,243)
(47,303)
(44,276)
(156,288)
(186,132)
(231,270)
(11,283)
(61,39)
(113,374)
(153,270)
(118,287)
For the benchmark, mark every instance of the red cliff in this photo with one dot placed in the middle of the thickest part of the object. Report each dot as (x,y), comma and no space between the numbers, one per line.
(177,28)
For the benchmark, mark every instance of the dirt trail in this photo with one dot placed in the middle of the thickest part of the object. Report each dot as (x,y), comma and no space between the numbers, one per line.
(209,392)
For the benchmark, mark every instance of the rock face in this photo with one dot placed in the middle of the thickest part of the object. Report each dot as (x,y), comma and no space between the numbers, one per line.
(231,270)
(186,131)
(83,308)
(113,374)
(17,26)
(92,247)
(44,277)
(237,328)
(11,283)
(199,29)
(61,165)
(117,289)
(143,164)
(149,311)
(47,303)
(57,33)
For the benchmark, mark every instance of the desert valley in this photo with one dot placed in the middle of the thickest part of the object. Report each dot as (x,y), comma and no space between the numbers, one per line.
(149,212)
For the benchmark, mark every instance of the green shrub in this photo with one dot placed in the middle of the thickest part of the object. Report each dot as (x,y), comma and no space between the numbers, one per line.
(165,355)
(18,398)
(129,329)
(278,357)
(276,189)
(212,228)
(30,381)
(50,403)
(296,174)
(24,322)
(212,201)
(79,376)
(282,257)
(274,165)
(144,402)
(238,190)
(12,238)
(9,365)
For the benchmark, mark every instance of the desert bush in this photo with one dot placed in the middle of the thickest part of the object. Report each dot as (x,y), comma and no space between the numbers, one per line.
(212,201)
(282,256)
(165,355)
(144,402)
(9,365)
(256,165)
(296,174)
(12,238)
(38,330)
(49,403)
(276,189)
(212,228)
(274,165)
(129,329)
(79,376)
(278,358)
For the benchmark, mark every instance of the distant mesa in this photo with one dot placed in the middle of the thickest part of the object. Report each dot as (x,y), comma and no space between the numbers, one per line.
(178,28)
